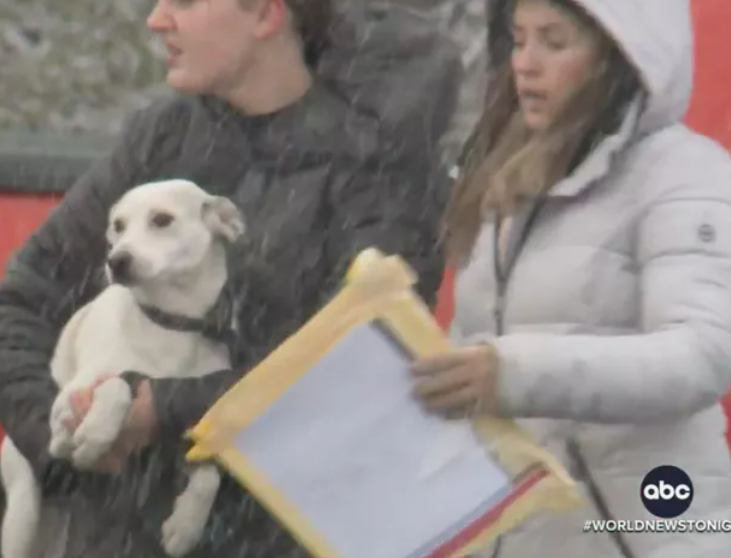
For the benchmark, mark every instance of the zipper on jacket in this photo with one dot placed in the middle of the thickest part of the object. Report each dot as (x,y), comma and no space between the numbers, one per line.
(498,311)
(502,268)
(503,264)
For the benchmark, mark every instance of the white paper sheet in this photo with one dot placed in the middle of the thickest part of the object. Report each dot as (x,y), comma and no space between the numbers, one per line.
(375,475)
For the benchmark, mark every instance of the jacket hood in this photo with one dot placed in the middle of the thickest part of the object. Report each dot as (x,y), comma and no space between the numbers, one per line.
(655,36)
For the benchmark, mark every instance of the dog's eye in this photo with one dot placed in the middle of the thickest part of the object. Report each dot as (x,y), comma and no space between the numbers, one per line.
(118,226)
(162,220)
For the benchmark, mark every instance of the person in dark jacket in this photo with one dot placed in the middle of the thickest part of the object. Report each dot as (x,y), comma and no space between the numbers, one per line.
(260,117)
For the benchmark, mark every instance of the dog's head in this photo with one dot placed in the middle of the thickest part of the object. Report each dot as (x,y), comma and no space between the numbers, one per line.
(169,232)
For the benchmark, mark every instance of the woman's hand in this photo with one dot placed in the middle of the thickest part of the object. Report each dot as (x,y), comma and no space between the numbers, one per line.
(459,384)
(138,431)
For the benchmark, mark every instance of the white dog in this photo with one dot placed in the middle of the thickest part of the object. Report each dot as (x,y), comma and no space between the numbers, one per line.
(167,265)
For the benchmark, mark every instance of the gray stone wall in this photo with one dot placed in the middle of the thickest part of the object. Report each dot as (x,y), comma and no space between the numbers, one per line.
(77,65)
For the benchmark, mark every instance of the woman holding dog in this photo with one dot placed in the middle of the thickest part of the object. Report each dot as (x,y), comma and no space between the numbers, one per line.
(262,116)
(593,301)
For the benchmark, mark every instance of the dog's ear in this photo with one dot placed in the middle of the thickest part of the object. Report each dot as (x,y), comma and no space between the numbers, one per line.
(223,218)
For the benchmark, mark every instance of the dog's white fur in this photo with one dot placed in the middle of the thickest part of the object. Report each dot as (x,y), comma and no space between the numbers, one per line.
(178,267)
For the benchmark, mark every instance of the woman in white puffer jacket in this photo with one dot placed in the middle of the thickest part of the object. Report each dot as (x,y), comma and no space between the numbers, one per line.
(592,230)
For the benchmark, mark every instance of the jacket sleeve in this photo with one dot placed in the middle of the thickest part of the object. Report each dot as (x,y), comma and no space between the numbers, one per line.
(179,403)
(394,202)
(55,273)
(680,362)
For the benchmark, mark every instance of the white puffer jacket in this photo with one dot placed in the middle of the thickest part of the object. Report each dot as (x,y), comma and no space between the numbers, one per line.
(617,319)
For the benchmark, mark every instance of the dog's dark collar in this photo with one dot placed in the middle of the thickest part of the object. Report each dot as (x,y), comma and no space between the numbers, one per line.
(216,325)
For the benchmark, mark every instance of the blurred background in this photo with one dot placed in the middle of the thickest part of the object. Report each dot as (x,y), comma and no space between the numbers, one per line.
(75,66)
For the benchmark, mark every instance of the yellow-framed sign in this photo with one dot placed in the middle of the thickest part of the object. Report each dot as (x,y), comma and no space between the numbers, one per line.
(324,433)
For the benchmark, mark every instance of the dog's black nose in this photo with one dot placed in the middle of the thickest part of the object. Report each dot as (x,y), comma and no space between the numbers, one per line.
(120,266)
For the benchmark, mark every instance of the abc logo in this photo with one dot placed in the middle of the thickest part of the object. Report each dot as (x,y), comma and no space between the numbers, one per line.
(667,491)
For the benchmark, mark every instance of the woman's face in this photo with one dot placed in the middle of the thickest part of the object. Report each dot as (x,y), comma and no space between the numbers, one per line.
(553,56)
(210,43)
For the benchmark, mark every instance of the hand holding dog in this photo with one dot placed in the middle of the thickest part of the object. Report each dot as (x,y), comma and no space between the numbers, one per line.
(139,429)
(459,384)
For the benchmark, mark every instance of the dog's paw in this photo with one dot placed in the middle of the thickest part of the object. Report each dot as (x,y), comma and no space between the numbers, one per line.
(102,425)
(184,528)
(61,445)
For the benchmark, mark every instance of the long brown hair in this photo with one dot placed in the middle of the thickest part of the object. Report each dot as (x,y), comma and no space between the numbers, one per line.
(505,164)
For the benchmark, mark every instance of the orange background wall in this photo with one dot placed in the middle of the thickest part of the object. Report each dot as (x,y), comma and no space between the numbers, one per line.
(710,113)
